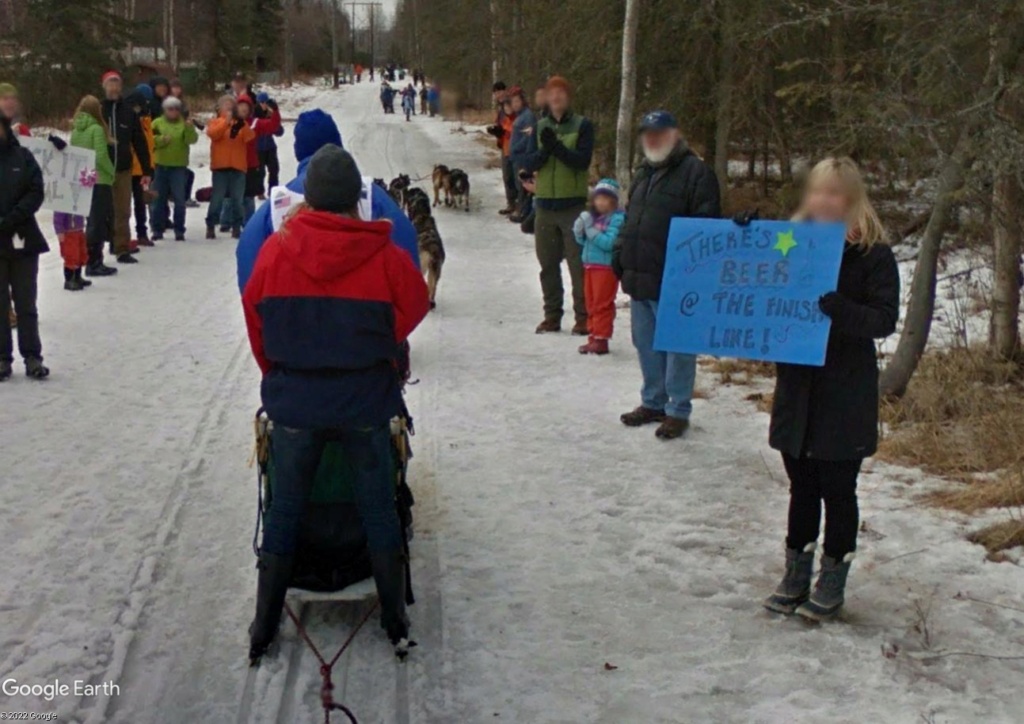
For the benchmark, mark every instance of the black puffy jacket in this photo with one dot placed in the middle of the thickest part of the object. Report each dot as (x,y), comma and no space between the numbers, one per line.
(831,412)
(126,128)
(21,195)
(681,186)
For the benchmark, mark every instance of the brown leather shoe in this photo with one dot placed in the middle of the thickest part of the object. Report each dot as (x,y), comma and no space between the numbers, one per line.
(549,326)
(642,416)
(580,329)
(672,428)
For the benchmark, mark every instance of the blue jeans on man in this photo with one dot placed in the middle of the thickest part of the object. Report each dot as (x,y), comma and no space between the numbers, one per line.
(228,186)
(170,184)
(297,454)
(668,377)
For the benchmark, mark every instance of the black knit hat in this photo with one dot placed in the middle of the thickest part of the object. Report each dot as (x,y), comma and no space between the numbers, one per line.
(333,181)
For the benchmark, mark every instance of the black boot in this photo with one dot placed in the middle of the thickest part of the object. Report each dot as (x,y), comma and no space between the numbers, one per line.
(275,574)
(795,587)
(5,370)
(82,280)
(99,269)
(389,575)
(35,369)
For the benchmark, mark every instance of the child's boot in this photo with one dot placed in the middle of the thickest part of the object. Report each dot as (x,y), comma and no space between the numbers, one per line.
(80,279)
(586,348)
(828,595)
(795,587)
(599,346)
(70,283)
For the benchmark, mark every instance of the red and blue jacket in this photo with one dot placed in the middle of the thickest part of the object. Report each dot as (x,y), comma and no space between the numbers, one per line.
(330,302)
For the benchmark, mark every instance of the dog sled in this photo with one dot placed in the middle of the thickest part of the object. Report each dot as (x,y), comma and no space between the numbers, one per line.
(332,561)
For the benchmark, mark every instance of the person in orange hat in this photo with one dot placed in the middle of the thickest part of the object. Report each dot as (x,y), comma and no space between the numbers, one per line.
(561,163)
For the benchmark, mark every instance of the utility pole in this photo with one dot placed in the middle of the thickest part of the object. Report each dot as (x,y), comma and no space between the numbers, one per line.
(334,42)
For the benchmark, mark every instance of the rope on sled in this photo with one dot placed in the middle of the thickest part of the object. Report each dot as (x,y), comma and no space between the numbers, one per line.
(326,668)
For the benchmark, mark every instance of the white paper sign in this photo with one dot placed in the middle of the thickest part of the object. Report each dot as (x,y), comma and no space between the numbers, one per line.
(63,174)
(282,201)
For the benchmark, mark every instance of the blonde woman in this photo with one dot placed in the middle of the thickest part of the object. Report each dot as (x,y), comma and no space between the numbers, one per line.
(825,419)
(90,131)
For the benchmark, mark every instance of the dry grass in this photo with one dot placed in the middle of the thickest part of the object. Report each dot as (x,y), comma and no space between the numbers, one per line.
(762,401)
(963,418)
(1000,537)
(737,371)
(962,415)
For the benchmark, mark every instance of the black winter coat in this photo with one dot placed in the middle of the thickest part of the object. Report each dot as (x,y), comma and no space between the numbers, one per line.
(21,195)
(127,131)
(831,412)
(682,186)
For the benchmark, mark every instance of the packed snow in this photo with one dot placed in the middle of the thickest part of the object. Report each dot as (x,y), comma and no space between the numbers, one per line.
(567,569)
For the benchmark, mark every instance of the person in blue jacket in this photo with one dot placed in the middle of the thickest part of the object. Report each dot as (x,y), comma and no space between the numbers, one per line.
(521,149)
(314,130)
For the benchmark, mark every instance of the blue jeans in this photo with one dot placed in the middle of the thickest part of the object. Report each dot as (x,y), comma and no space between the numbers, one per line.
(297,455)
(230,184)
(170,185)
(668,377)
(227,217)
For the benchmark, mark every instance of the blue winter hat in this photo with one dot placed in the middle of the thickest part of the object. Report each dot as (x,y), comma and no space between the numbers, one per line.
(262,97)
(314,130)
(144,90)
(607,187)
(658,121)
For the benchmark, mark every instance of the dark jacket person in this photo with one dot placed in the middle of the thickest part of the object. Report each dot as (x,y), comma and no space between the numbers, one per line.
(21,243)
(672,181)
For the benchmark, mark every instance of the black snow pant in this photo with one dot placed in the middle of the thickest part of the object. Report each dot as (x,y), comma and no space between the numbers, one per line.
(141,207)
(100,228)
(270,168)
(190,183)
(812,481)
(18,284)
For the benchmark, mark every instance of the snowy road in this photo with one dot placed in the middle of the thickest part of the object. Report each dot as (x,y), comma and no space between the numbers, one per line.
(550,540)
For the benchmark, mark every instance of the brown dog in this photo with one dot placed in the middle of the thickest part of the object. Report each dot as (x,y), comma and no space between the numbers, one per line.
(442,182)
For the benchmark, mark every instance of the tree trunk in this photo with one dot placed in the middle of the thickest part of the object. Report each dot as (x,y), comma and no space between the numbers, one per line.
(726,82)
(918,322)
(627,95)
(494,41)
(1004,328)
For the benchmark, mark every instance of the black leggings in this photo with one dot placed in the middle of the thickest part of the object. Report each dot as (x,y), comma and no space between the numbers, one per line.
(813,481)
(141,207)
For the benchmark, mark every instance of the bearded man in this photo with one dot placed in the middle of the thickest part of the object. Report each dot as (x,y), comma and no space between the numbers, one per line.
(672,181)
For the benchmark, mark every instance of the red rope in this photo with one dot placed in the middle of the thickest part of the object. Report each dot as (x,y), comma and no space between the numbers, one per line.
(326,668)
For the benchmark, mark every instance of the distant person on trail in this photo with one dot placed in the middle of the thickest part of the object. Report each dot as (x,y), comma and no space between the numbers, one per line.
(424,98)
(434,100)
(229,136)
(129,145)
(672,181)
(565,148)
(329,306)
(409,102)
(314,130)
(90,131)
(21,242)
(825,419)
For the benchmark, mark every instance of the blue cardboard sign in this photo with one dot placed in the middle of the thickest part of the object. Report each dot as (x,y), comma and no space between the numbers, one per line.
(748,291)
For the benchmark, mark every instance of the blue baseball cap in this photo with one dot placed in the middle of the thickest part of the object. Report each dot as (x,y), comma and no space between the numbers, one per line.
(658,121)
(262,97)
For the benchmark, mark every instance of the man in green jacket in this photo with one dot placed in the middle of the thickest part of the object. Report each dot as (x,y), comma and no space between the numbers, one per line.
(565,147)
(173,136)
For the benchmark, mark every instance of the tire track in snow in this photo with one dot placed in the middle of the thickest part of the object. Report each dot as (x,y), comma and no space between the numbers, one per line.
(146,574)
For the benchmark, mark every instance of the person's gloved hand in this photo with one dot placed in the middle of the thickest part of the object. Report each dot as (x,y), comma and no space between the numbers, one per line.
(832,304)
(744,218)
(272,104)
(587,218)
(549,138)
(59,143)
(236,127)
(495,131)
(579,228)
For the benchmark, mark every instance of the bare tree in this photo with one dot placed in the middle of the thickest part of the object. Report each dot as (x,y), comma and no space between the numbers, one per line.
(627,95)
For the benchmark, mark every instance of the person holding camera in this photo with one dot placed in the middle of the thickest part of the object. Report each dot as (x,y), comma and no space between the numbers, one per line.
(229,136)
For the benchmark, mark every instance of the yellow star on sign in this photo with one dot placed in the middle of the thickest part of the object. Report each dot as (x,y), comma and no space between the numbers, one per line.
(786,243)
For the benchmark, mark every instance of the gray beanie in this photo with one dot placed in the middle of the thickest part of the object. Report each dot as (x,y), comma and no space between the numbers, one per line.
(333,181)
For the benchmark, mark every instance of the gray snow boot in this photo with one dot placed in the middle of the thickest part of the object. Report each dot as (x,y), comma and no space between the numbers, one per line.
(827,597)
(796,584)
(389,575)
(274,577)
